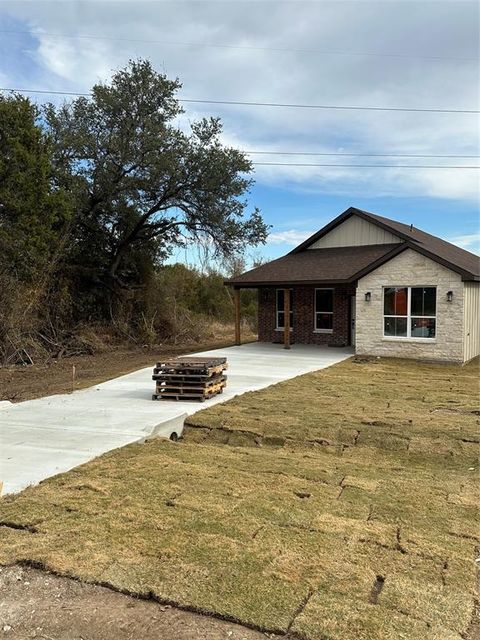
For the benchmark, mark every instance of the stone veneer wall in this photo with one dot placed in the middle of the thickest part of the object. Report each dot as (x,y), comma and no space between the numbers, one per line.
(411,269)
(303,316)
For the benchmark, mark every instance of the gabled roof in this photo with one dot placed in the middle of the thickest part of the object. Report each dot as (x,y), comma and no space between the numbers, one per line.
(338,265)
(446,253)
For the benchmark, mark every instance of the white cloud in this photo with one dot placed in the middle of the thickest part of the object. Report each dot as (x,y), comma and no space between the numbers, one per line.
(418,29)
(291,237)
(471,242)
(73,60)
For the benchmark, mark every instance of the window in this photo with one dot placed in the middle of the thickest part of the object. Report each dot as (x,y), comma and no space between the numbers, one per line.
(410,312)
(280,311)
(324,310)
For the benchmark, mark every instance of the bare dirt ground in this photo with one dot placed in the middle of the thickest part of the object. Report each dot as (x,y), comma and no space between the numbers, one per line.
(34,604)
(474,630)
(18,383)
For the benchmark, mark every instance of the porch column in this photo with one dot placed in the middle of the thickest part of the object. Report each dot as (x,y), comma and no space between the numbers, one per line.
(236,296)
(286,334)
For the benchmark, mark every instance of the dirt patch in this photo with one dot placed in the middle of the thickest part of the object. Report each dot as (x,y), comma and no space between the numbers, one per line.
(34,604)
(473,632)
(18,383)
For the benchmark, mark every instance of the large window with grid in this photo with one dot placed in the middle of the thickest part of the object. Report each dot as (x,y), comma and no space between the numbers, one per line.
(280,309)
(410,312)
(324,310)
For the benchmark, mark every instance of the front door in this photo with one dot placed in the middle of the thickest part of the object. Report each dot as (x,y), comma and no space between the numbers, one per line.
(353,319)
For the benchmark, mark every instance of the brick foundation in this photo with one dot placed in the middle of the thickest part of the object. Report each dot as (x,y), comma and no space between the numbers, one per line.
(303,299)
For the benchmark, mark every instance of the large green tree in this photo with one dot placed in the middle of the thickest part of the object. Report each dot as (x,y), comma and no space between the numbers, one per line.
(33,210)
(142,183)
(34,222)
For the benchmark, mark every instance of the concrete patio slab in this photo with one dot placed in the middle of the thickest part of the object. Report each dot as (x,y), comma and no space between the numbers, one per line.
(40,438)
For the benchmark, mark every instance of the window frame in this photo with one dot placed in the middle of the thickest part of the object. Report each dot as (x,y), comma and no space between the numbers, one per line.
(316,311)
(277,310)
(409,317)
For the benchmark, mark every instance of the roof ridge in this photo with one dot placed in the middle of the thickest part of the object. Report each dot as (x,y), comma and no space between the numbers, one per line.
(407,229)
(410,229)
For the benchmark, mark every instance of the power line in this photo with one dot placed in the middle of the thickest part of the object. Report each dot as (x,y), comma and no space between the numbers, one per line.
(44,91)
(324,106)
(357,155)
(306,153)
(365,166)
(239,47)
(267,104)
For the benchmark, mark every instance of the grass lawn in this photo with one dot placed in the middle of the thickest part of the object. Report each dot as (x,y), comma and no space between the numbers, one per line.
(348,513)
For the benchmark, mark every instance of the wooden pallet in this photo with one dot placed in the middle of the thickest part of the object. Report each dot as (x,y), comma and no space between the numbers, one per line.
(158,375)
(175,378)
(189,378)
(193,385)
(205,373)
(191,366)
(168,393)
(195,361)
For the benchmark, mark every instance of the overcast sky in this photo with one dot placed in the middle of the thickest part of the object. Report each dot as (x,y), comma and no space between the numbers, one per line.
(389,54)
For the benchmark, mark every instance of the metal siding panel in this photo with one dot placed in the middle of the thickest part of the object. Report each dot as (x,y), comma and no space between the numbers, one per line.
(355,232)
(472,320)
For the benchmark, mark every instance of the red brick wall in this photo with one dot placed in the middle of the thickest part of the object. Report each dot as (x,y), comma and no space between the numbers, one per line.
(303,317)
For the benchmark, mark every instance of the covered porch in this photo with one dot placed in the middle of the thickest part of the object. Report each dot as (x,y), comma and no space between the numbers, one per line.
(309,295)
(320,314)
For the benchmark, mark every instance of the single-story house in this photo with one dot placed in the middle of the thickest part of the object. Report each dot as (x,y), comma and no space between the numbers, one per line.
(380,286)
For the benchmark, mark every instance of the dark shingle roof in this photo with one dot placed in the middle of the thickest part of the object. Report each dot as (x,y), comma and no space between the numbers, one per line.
(334,265)
(347,264)
(447,251)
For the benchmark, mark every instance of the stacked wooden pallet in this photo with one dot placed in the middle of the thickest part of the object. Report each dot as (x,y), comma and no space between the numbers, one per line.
(189,378)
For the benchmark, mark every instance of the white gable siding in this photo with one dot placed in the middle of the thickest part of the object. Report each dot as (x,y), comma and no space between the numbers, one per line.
(355,232)
(472,320)
(415,270)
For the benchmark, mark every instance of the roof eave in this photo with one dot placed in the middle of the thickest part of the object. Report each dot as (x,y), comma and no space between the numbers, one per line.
(396,250)
(285,283)
(464,273)
(382,260)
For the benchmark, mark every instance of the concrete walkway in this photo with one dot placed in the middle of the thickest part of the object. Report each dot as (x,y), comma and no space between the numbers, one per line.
(43,437)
